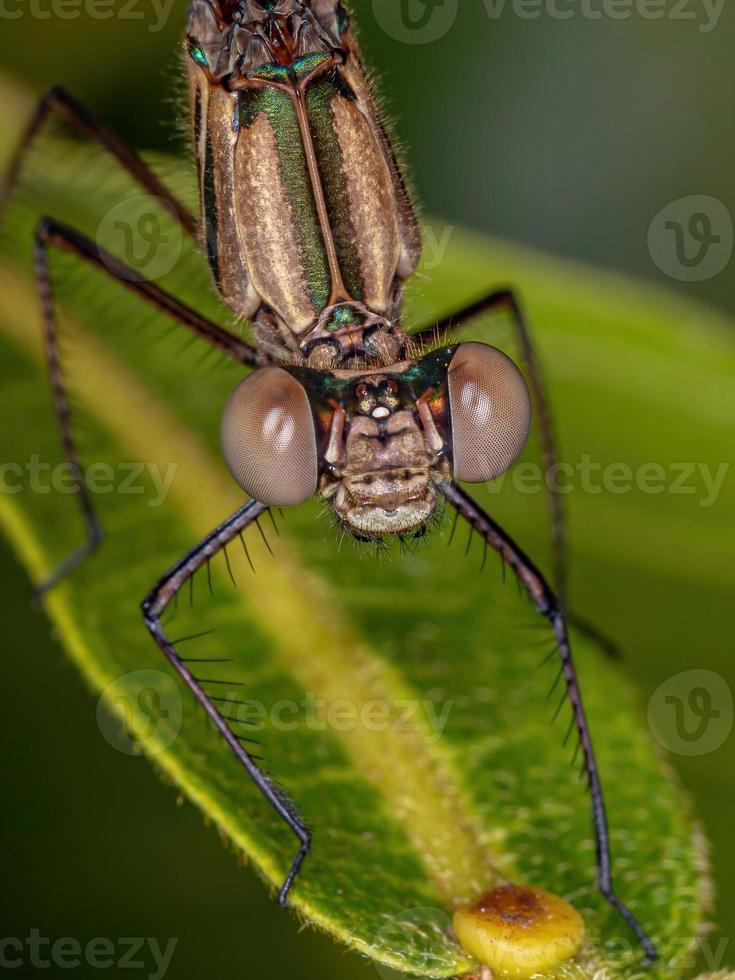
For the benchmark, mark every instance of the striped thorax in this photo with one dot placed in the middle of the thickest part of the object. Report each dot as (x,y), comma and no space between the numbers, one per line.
(308,227)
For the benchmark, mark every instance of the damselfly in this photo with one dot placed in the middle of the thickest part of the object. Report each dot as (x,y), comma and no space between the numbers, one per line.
(310,234)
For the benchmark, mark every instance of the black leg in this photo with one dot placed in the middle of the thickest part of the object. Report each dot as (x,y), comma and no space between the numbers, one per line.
(548,605)
(51,234)
(506,300)
(59,102)
(153,608)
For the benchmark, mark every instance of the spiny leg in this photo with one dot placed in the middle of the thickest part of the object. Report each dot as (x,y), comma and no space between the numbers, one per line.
(58,101)
(506,300)
(546,602)
(51,234)
(153,608)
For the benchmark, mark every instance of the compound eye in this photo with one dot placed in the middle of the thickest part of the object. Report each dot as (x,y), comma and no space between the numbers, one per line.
(269,440)
(490,409)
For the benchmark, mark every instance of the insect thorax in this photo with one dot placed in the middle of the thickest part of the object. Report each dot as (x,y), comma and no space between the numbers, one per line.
(308,227)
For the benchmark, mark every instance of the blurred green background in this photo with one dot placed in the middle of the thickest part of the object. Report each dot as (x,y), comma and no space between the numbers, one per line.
(571,135)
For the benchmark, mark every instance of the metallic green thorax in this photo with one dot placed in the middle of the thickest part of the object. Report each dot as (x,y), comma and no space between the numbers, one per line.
(307,225)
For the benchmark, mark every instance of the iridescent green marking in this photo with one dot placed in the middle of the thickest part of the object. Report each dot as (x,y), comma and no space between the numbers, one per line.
(305,65)
(324,388)
(196,51)
(346,314)
(278,108)
(319,97)
(429,372)
(309,62)
(211,217)
(272,73)
(343,316)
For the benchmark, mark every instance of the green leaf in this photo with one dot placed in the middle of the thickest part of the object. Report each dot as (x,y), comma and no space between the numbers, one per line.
(414,811)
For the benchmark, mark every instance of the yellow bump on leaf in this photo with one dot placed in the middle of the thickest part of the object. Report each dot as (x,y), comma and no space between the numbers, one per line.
(518,931)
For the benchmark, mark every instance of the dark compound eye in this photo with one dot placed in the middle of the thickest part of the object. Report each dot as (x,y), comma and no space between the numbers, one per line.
(196,52)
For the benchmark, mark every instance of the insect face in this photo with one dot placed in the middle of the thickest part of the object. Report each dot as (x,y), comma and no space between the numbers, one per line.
(381,476)
(231,39)
(375,443)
